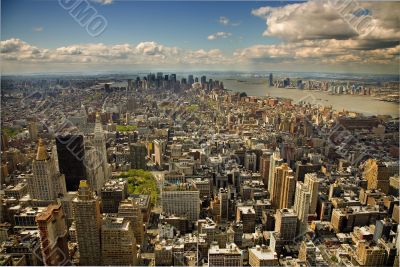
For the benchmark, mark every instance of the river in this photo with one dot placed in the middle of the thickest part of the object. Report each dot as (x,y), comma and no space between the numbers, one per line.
(366,105)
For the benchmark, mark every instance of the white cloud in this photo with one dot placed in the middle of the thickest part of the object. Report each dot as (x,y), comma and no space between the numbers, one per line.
(219,35)
(320,20)
(38,29)
(224,20)
(227,22)
(103,2)
(142,53)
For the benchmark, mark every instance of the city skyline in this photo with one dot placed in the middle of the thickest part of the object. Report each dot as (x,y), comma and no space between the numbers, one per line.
(220,36)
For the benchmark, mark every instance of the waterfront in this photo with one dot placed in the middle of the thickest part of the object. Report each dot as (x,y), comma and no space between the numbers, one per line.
(363,104)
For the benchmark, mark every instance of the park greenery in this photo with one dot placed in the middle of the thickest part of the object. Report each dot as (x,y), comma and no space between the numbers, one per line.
(141,182)
(126,128)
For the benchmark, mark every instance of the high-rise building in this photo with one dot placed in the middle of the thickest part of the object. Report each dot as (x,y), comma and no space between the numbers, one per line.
(46,182)
(53,236)
(203,79)
(302,206)
(113,192)
(71,154)
(87,217)
(369,255)
(33,131)
(130,210)
(282,193)
(181,200)
(94,169)
(312,181)
(307,252)
(159,150)
(118,244)
(247,216)
(270,80)
(250,161)
(224,205)
(285,224)
(138,153)
(265,162)
(275,161)
(377,174)
(99,142)
(190,79)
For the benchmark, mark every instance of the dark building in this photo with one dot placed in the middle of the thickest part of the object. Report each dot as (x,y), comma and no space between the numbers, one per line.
(71,153)
(138,153)
(271,80)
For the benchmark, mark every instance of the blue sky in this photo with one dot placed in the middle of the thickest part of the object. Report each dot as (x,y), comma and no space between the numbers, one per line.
(39,35)
(173,23)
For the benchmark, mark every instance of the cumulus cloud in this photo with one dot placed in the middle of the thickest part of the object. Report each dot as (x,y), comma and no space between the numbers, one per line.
(219,35)
(141,53)
(321,20)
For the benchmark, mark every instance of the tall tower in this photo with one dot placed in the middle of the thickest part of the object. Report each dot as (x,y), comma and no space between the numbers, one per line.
(302,206)
(282,192)
(129,209)
(312,181)
(118,244)
(88,225)
(99,142)
(53,236)
(276,160)
(224,208)
(47,183)
(71,155)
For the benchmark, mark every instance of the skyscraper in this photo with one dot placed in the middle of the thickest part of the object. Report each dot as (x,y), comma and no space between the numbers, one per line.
(275,161)
(285,224)
(224,202)
(282,191)
(99,142)
(130,210)
(88,225)
(312,181)
(181,200)
(138,153)
(118,244)
(302,206)
(53,236)
(46,182)
(71,155)
(271,80)
(265,162)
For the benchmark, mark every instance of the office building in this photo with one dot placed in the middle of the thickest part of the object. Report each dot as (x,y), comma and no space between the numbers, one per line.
(312,182)
(224,205)
(275,161)
(181,200)
(286,224)
(87,217)
(53,236)
(265,162)
(283,188)
(118,244)
(262,256)
(302,206)
(229,256)
(46,182)
(113,192)
(138,153)
(246,215)
(71,154)
(377,174)
(130,210)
